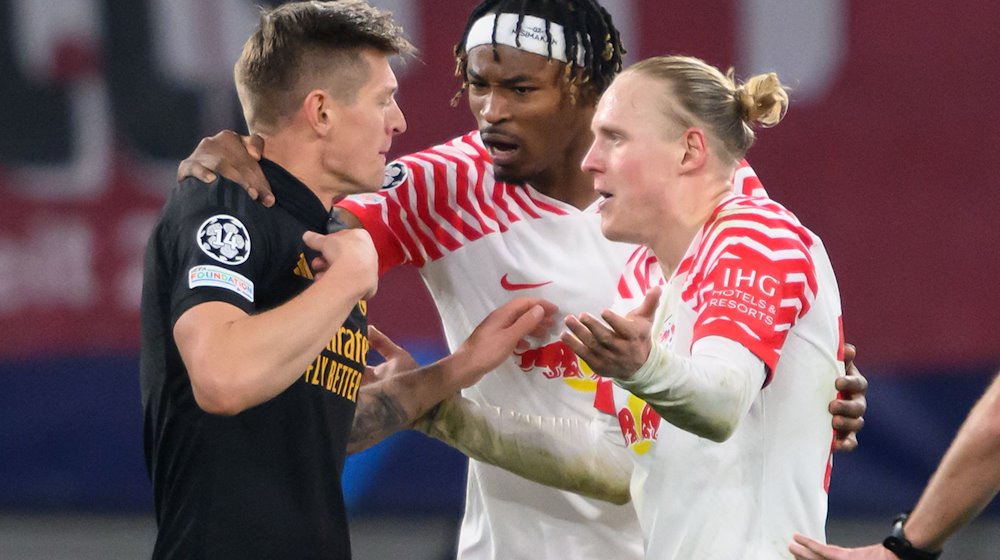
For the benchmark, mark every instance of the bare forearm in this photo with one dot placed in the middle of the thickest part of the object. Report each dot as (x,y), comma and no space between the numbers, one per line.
(244,360)
(967,479)
(288,338)
(388,406)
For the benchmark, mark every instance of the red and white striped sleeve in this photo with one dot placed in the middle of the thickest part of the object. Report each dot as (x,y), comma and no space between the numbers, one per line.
(427,205)
(753,276)
(437,200)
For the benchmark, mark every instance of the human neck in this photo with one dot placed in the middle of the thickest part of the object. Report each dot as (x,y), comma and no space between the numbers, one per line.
(679,228)
(570,185)
(302,159)
(566,181)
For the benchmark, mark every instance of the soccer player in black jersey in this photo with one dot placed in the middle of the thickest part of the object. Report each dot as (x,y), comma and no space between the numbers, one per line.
(254,331)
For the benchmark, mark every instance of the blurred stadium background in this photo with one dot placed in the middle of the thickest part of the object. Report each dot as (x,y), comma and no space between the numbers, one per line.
(889,152)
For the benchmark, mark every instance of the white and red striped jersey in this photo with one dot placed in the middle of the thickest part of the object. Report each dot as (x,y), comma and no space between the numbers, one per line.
(756,276)
(479,243)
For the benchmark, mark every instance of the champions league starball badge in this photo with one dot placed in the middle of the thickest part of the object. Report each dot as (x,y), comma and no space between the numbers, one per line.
(395,174)
(225,239)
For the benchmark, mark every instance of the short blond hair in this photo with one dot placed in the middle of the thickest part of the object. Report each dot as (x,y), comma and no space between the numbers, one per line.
(301,46)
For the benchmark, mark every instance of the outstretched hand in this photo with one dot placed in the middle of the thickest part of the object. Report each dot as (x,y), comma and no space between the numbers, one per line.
(500,333)
(397,359)
(619,348)
(849,407)
(805,548)
(233,156)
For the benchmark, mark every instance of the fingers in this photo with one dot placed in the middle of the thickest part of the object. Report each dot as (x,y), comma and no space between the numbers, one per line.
(256,184)
(549,307)
(189,168)
(801,552)
(628,326)
(848,411)
(850,353)
(383,344)
(319,265)
(392,352)
(508,313)
(527,322)
(508,324)
(845,444)
(647,309)
(805,548)
(577,346)
(232,156)
(848,420)
(801,548)
(238,158)
(313,240)
(548,321)
(543,327)
(853,388)
(852,383)
(254,145)
(582,342)
(371,376)
(845,427)
(580,333)
(596,344)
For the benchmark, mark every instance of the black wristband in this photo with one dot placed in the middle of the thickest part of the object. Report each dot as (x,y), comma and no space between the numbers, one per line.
(898,544)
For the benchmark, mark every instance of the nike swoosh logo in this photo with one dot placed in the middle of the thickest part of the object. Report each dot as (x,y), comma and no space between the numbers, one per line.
(508,285)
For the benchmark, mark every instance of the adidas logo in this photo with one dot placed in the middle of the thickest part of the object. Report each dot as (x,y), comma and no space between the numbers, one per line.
(302,268)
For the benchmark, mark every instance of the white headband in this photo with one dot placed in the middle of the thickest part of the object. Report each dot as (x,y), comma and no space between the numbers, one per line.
(532,37)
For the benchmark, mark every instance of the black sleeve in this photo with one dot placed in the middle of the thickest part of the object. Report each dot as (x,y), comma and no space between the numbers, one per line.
(220,246)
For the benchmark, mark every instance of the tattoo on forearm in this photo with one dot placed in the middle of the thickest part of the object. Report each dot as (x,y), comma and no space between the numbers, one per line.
(378,415)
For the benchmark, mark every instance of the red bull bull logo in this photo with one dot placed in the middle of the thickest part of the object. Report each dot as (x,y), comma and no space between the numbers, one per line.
(627,422)
(554,360)
(650,423)
(639,423)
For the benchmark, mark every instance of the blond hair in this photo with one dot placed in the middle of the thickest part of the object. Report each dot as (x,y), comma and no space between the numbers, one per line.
(306,45)
(706,97)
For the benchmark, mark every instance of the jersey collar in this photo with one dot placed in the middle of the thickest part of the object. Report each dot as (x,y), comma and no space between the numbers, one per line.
(295,197)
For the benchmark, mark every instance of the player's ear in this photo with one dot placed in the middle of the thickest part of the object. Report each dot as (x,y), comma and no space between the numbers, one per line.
(320,111)
(695,149)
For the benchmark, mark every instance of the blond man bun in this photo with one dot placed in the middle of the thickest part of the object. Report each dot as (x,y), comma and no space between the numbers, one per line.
(763,99)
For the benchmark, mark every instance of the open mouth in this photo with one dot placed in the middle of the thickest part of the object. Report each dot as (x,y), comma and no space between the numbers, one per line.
(501,147)
(605,197)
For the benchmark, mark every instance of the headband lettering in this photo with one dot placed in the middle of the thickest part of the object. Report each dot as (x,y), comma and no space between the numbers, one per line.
(532,37)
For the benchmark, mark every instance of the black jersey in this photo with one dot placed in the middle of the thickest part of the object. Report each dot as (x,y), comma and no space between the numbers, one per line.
(264,483)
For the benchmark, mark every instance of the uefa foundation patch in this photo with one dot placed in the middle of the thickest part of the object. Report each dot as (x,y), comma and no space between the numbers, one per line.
(211,276)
